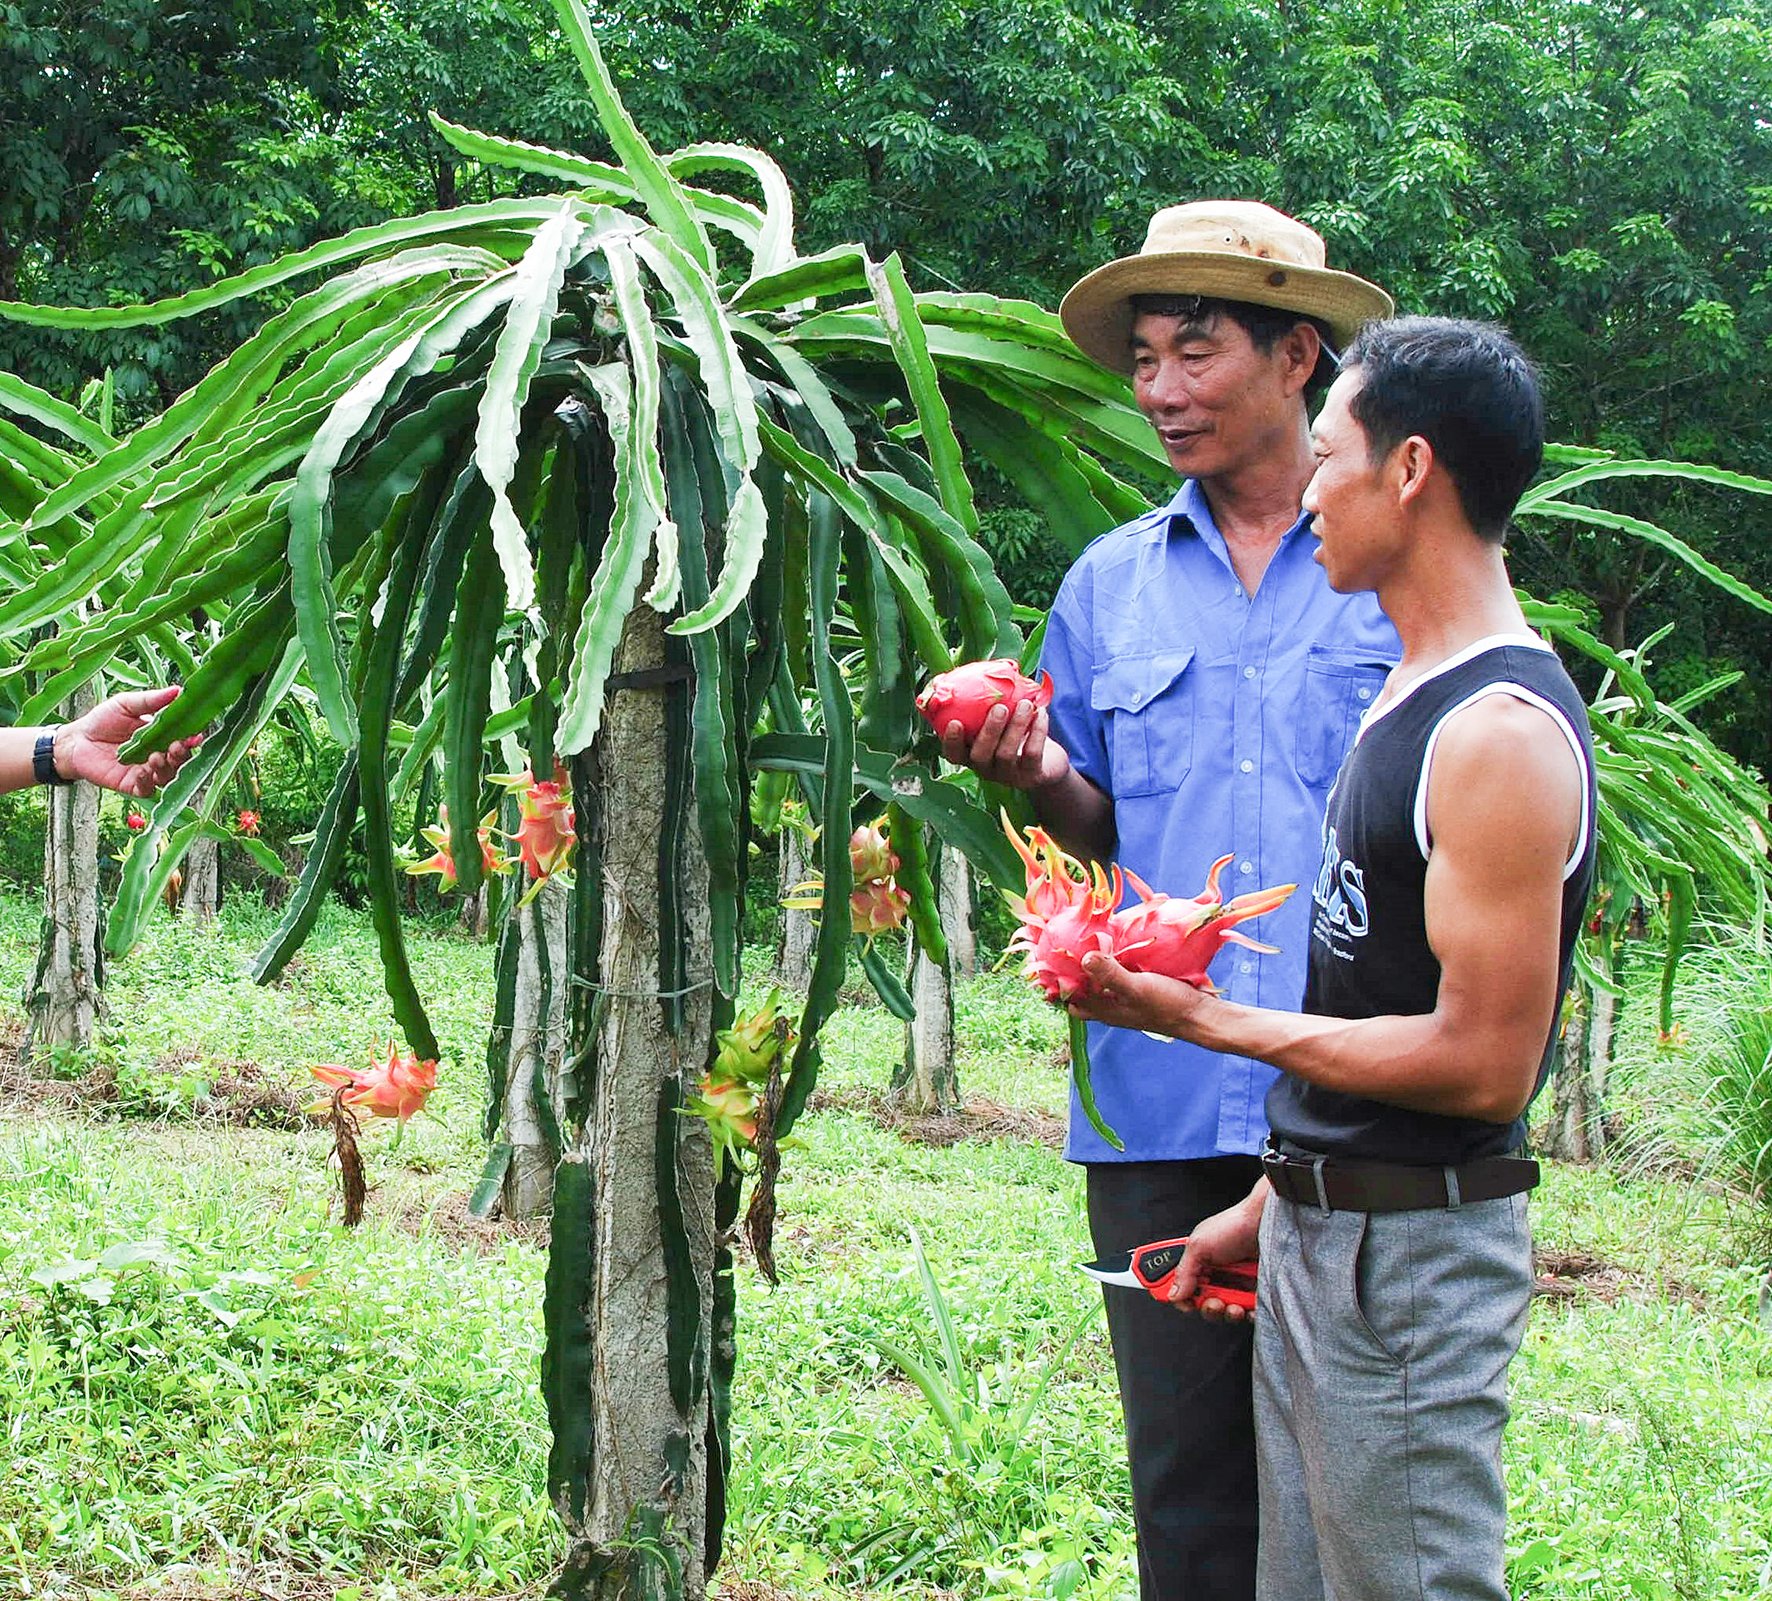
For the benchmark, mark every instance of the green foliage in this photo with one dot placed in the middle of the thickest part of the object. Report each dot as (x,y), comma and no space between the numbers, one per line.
(1032,563)
(22,822)
(1591,177)
(477,388)
(1702,1094)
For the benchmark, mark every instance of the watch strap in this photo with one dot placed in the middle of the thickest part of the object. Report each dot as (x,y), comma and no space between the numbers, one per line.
(43,759)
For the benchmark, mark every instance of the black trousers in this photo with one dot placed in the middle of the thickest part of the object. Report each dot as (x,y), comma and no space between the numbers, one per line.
(1184,1387)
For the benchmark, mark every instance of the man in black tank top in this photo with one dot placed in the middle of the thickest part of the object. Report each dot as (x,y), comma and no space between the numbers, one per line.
(1458,856)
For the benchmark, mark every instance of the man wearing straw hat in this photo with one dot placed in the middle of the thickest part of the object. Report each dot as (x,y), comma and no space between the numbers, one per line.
(1207,682)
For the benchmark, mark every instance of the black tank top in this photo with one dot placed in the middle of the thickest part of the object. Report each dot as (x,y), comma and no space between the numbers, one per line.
(1369,954)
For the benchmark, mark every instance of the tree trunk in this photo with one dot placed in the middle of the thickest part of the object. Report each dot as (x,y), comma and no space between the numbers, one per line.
(538,1051)
(926,1081)
(63,998)
(630,1274)
(957,918)
(1577,1131)
(794,947)
(202,870)
(472,916)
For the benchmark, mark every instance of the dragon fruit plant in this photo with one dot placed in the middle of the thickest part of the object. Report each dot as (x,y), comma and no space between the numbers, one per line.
(967,693)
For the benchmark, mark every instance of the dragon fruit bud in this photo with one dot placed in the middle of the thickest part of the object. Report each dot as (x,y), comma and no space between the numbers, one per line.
(754,1043)
(876,907)
(967,693)
(1179,938)
(871,855)
(442,861)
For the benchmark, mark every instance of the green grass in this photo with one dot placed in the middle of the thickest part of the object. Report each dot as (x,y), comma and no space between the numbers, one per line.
(243,1394)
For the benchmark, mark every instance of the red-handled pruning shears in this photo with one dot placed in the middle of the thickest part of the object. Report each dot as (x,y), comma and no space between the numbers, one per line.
(1153,1267)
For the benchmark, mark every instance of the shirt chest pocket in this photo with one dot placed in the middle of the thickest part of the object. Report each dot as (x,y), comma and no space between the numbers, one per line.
(1340,686)
(1147,704)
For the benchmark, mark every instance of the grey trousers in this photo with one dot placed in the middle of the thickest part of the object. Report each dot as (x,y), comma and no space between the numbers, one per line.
(1382,1343)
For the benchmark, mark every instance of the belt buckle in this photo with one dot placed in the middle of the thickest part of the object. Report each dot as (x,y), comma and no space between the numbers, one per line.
(1292,1164)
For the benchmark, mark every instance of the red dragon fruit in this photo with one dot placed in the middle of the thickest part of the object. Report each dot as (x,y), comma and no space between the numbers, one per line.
(1178,938)
(876,904)
(1065,915)
(967,693)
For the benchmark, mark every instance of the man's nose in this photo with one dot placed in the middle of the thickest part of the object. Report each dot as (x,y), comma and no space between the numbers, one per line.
(1167,388)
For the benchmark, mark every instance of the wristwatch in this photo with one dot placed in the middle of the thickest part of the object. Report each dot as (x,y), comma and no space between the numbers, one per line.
(43,759)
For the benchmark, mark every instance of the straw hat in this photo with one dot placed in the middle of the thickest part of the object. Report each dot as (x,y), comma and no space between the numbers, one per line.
(1227,250)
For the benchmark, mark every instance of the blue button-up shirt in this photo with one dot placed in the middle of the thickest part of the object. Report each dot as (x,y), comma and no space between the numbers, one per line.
(1215,721)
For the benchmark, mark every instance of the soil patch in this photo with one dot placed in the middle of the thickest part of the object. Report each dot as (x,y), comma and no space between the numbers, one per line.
(446,1217)
(980,1119)
(1582,1276)
(239,1094)
(265,1584)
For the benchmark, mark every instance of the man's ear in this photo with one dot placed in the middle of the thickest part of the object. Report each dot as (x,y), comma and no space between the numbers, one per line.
(1299,352)
(1411,465)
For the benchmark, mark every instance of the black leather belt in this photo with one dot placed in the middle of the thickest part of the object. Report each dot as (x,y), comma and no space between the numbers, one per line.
(1346,1186)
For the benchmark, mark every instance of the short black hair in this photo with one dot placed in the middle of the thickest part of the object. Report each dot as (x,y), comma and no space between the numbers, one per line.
(1266,326)
(1469,391)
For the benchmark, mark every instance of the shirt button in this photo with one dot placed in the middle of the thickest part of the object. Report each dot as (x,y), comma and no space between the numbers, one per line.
(1248,967)
(1246,867)
(1365,694)
(1239,591)
(1246,765)
(1248,672)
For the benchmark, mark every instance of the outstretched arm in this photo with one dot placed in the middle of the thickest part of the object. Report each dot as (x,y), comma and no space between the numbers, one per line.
(1504,808)
(87,747)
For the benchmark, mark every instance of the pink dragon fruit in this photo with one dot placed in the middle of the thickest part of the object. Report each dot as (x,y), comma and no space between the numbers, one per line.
(1051,885)
(877,906)
(1055,953)
(967,693)
(1066,914)
(1179,938)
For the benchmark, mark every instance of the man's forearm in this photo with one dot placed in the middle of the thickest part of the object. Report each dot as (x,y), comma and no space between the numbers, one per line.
(16,746)
(1078,815)
(1421,1062)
